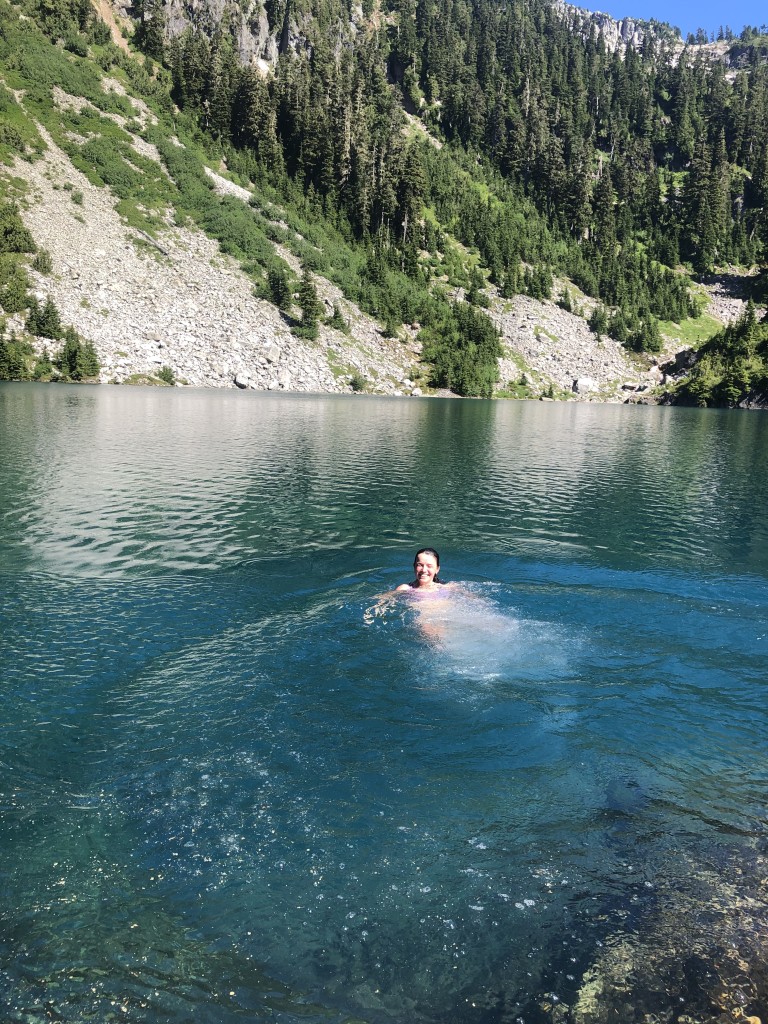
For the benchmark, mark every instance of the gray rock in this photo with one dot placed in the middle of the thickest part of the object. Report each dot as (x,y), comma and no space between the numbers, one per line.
(585,386)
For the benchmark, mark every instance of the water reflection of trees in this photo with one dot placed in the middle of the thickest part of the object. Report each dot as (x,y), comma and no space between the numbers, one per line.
(646,483)
(137,480)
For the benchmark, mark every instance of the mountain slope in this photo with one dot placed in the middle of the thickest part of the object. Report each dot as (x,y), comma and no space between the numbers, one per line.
(335,182)
(180,302)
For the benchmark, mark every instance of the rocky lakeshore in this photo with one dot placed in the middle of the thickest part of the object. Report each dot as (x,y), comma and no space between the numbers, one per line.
(177,302)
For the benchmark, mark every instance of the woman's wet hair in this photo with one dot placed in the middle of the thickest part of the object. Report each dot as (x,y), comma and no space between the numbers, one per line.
(429,551)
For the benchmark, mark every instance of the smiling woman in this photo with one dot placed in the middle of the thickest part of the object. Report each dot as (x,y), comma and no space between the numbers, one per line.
(426,566)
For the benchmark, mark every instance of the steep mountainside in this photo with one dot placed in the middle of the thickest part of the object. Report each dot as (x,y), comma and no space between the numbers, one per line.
(181,303)
(404,194)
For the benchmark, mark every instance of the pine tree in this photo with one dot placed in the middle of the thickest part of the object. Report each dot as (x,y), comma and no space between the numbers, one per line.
(45,322)
(279,286)
(11,360)
(150,29)
(310,305)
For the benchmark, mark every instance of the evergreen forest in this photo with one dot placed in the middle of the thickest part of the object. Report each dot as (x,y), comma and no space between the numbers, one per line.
(426,150)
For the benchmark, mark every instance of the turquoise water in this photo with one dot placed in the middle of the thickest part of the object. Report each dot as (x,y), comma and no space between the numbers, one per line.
(237,786)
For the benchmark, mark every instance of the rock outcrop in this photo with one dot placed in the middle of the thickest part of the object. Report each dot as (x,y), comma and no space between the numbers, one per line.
(617,34)
(562,352)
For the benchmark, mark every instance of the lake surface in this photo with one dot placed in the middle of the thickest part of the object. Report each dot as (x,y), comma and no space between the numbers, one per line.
(237,786)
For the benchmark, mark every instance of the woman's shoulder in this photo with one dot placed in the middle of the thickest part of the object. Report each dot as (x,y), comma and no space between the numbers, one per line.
(411,588)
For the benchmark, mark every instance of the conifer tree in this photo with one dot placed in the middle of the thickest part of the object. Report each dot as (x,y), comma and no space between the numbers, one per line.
(310,306)
(150,29)
(44,322)
(77,360)
(278,286)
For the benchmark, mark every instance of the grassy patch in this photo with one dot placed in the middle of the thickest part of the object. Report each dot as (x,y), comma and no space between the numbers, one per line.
(519,392)
(144,380)
(517,359)
(18,134)
(538,330)
(693,332)
(345,372)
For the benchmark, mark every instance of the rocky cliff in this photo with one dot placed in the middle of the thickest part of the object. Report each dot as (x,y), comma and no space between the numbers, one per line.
(617,34)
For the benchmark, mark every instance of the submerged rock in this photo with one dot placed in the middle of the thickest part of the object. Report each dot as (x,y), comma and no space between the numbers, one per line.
(698,954)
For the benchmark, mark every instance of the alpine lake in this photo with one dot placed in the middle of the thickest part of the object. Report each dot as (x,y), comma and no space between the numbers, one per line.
(239,784)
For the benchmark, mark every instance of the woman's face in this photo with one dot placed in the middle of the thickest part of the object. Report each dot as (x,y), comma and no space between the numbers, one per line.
(426,568)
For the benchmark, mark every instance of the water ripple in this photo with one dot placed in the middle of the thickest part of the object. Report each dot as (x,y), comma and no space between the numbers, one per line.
(237,783)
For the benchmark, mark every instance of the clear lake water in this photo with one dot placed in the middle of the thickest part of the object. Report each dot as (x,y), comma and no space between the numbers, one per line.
(239,784)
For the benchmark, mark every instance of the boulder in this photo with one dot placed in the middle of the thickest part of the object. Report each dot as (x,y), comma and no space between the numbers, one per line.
(681,362)
(585,386)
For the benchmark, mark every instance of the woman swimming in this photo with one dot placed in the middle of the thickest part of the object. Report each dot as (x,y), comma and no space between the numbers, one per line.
(426,566)
(426,583)
(442,610)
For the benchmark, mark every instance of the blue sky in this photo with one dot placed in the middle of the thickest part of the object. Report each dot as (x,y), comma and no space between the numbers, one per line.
(687,15)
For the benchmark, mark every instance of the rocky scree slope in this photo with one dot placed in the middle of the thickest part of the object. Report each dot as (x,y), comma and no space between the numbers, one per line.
(180,303)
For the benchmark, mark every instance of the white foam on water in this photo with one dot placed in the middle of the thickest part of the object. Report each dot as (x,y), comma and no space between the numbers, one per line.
(468,633)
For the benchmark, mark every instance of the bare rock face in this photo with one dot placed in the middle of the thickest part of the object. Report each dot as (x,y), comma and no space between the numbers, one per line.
(558,348)
(617,34)
(247,24)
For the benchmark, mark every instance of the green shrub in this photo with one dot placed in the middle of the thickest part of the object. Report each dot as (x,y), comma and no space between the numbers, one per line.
(43,368)
(42,262)
(14,237)
(10,136)
(60,18)
(18,131)
(337,321)
(75,43)
(99,33)
(14,285)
